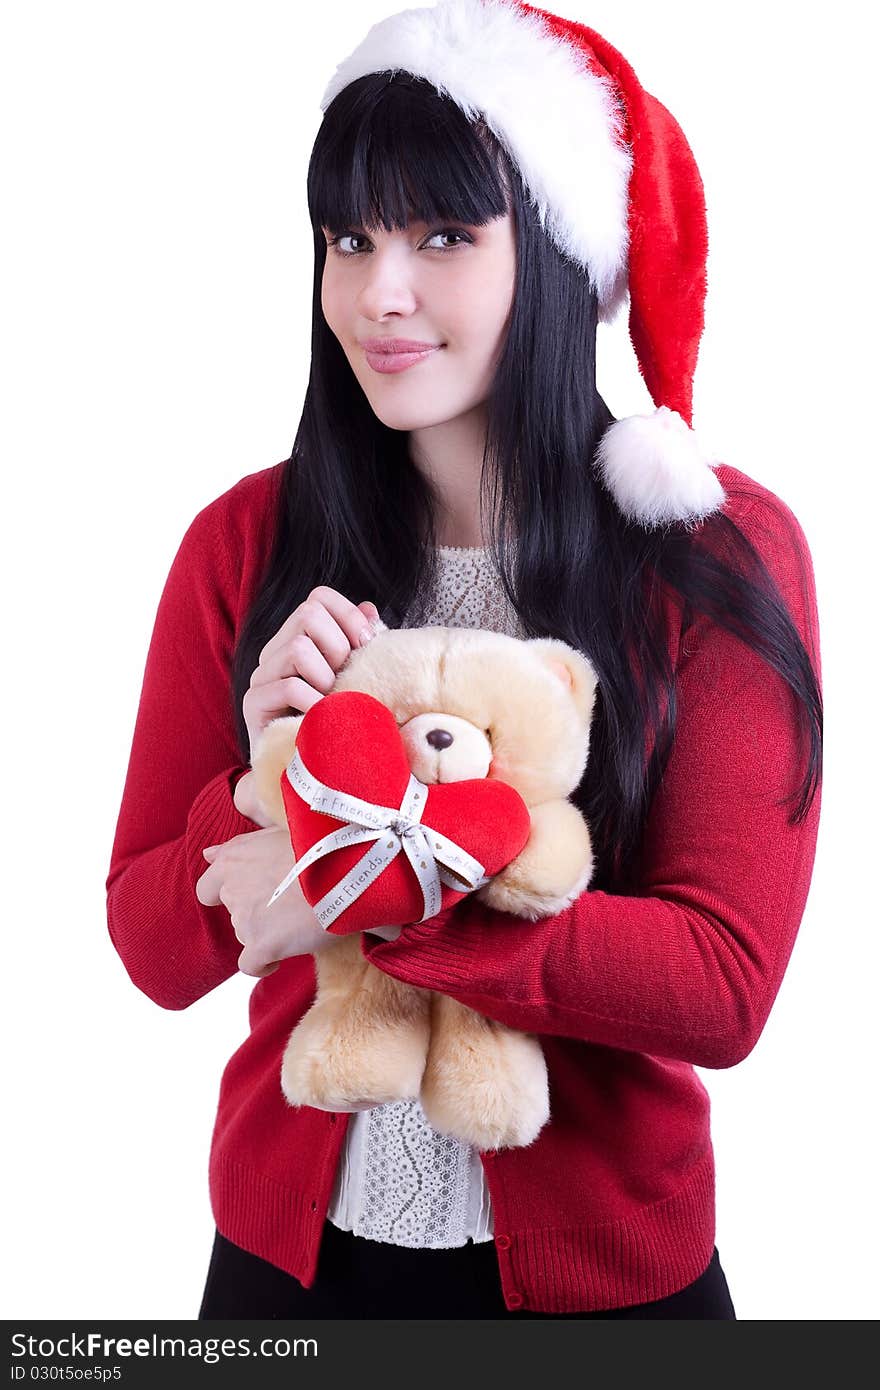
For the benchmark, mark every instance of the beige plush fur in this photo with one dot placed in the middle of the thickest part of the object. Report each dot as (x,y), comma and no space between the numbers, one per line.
(518,710)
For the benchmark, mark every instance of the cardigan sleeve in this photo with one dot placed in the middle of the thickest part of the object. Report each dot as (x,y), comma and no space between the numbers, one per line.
(182,770)
(688,967)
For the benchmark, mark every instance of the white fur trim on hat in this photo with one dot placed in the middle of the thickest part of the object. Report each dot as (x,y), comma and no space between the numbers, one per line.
(560,121)
(655,470)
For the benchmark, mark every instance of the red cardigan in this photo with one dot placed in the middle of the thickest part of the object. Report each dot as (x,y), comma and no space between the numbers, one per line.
(613,1204)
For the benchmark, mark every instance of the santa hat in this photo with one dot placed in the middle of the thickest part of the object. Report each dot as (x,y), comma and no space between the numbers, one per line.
(617,190)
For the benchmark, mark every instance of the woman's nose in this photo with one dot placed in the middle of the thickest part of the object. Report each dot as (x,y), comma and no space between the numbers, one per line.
(388,287)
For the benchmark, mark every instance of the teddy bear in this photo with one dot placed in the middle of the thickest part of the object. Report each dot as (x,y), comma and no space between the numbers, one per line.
(468,703)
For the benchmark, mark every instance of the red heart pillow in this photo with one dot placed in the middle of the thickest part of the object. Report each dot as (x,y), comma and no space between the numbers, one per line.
(350,741)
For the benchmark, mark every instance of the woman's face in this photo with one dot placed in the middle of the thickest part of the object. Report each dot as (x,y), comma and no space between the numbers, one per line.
(449,285)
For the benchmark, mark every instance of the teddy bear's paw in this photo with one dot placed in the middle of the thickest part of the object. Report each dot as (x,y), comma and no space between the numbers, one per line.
(271,754)
(522,901)
(494,1096)
(333,1062)
(552,871)
(512,891)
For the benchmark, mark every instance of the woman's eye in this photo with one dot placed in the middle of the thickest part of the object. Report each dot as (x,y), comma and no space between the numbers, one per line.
(450,231)
(336,241)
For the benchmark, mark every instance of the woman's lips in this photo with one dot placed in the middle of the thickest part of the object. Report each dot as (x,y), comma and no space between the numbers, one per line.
(386,362)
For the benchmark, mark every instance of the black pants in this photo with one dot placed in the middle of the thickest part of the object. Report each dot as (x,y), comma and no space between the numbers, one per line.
(359,1278)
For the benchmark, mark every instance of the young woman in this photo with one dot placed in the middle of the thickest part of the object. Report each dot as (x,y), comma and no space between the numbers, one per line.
(481,480)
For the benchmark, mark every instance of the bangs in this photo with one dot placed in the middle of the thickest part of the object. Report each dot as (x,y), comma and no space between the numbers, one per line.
(392,150)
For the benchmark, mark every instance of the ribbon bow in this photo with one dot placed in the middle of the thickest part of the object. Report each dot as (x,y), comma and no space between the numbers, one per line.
(434,858)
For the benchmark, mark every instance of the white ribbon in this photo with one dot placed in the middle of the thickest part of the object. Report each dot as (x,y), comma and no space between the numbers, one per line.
(434,858)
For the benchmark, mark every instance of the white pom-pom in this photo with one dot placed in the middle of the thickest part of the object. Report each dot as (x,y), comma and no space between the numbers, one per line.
(655,470)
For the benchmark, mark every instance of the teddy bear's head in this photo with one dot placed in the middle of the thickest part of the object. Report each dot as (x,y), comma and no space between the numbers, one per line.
(474,703)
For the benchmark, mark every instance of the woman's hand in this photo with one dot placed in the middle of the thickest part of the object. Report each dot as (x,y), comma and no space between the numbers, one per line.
(298,666)
(242,874)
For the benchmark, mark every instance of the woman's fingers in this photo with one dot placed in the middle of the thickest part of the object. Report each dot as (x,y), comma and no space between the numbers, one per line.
(261,955)
(253,963)
(208,886)
(263,703)
(299,665)
(332,621)
(241,876)
(301,656)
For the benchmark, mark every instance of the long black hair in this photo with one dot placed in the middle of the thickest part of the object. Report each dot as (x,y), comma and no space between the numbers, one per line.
(355,514)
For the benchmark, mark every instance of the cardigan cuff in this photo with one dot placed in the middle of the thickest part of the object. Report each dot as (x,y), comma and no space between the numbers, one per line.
(439,953)
(214,813)
(214,818)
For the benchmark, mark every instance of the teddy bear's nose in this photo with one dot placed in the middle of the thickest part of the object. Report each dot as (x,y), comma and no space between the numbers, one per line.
(439,738)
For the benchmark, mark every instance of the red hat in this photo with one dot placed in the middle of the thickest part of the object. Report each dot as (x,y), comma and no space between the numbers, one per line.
(616,188)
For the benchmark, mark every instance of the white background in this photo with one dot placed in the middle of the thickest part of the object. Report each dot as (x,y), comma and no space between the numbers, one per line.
(157,270)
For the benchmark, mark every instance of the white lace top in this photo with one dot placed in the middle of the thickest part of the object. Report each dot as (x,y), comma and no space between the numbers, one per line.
(398,1180)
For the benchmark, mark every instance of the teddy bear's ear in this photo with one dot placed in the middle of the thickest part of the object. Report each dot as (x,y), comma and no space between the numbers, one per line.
(573,669)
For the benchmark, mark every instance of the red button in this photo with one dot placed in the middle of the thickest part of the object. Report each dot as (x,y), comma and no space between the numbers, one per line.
(314,1206)
(333,1119)
(503,1242)
(515,1300)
